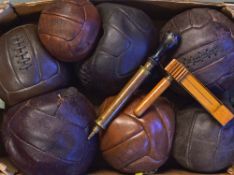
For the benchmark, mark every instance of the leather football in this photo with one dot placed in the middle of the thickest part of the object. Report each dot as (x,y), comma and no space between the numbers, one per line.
(69,28)
(128,36)
(26,68)
(207,46)
(47,135)
(201,143)
(132,144)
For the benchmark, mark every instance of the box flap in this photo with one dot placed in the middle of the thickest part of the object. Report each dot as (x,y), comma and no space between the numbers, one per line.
(7,13)
(29,6)
(229,9)
(10,9)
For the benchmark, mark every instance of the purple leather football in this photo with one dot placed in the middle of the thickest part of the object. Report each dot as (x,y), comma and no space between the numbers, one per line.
(47,135)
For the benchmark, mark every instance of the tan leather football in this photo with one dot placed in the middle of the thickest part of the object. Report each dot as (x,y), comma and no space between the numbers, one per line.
(132,144)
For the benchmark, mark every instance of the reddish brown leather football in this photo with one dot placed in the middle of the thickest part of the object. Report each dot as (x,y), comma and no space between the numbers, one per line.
(132,144)
(69,28)
(207,46)
(47,135)
(26,68)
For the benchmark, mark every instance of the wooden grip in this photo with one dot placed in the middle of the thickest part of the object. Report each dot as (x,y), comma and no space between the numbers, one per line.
(151,97)
(178,71)
(209,101)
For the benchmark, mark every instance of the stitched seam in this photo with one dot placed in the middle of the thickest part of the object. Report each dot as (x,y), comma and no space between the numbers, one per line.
(216,148)
(146,133)
(59,15)
(215,20)
(162,121)
(130,20)
(116,145)
(190,139)
(126,166)
(189,13)
(37,149)
(65,121)
(175,25)
(41,82)
(16,112)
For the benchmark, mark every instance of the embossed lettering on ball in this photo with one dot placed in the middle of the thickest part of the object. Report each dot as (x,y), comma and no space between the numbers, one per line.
(207,47)
(47,135)
(26,68)
(128,36)
(142,144)
(201,144)
(69,28)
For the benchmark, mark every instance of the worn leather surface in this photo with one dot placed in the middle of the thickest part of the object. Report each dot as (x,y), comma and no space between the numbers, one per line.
(201,144)
(47,135)
(104,172)
(26,68)
(143,144)
(207,47)
(69,28)
(128,36)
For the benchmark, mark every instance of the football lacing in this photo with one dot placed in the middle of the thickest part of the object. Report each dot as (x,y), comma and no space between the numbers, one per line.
(21,52)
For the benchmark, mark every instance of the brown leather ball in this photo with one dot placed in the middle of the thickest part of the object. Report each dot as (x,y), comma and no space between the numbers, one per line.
(201,143)
(47,135)
(69,28)
(26,68)
(132,144)
(207,46)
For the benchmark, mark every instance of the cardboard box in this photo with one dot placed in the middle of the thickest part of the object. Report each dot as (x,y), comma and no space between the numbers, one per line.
(11,9)
(159,10)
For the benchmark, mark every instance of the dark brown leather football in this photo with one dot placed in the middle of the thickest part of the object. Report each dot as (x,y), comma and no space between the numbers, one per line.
(47,135)
(69,28)
(201,144)
(128,36)
(26,68)
(132,144)
(207,46)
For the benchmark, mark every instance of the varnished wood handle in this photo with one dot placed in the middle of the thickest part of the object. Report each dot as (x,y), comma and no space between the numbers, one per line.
(203,95)
(189,82)
(152,96)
